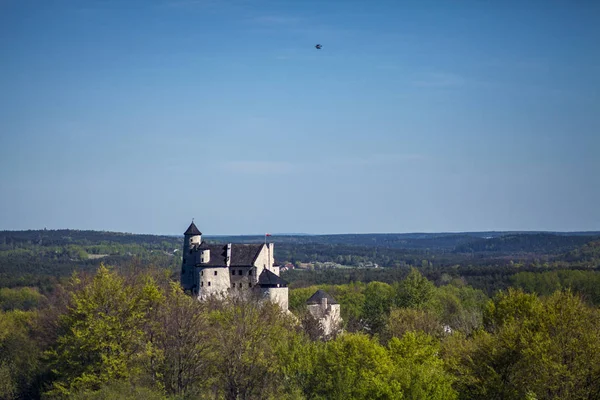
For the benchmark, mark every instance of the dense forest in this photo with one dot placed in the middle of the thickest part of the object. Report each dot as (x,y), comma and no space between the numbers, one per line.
(485,260)
(97,315)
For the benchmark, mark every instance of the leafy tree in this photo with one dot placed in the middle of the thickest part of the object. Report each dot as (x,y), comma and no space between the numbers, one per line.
(460,308)
(19,355)
(102,337)
(415,291)
(182,336)
(354,366)
(376,309)
(247,336)
(25,298)
(419,369)
(544,349)
(118,390)
(404,320)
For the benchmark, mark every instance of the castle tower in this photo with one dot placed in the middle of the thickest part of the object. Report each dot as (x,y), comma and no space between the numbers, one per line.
(192,238)
(273,288)
(326,310)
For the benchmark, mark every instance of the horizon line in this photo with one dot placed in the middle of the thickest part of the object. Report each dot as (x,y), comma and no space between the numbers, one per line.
(317,234)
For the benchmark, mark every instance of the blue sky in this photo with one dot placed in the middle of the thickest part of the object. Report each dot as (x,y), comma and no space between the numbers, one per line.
(420,116)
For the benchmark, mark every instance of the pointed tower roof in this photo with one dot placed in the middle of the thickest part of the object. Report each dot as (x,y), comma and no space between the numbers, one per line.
(320,294)
(192,230)
(269,279)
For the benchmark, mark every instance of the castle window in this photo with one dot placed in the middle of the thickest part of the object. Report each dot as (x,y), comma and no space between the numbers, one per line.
(249,284)
(240,284)
(201,273)
(215,272)
(209,283)
(250,273)
(201,283)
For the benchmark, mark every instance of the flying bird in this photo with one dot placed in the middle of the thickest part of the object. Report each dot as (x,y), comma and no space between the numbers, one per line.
(318,47)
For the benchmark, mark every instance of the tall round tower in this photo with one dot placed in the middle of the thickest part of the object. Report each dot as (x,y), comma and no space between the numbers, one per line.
(192,238)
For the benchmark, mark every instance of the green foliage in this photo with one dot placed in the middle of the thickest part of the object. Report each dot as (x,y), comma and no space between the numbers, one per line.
(248,336)
(8,386)
(128,333)
(415,291)
(460,308)
(118,390)
(376,307)
(513,306)
(354,366)
(179,333)
(404,320)
(39,258)
(585,283)
(24,298)
(420,371)
(19,354)
(531,348)
(103,338)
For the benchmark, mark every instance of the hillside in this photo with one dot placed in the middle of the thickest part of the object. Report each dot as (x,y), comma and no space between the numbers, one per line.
(40,257)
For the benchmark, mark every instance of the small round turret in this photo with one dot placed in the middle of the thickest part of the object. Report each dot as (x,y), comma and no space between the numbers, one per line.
(192,237)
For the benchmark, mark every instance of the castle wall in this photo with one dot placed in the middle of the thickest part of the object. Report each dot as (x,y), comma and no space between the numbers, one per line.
(213,281)
(328,316)
(187,278)
(278,296)
(266,259)
(246,280)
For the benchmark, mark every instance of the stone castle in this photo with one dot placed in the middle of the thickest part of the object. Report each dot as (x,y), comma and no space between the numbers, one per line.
(223,270)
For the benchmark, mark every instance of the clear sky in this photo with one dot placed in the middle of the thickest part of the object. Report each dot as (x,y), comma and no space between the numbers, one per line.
(418,116)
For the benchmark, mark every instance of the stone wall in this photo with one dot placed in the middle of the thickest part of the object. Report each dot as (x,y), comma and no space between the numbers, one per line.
(278,296)
(265,259)
(328,316)
(247,279)
(213,281)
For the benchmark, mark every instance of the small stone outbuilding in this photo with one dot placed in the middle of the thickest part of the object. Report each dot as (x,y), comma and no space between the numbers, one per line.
(326,310)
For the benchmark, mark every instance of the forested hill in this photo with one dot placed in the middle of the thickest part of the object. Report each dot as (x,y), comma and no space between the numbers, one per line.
(62,237)
(540,243)
(41,257)
(458,242)
(492,241)
(37,257)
